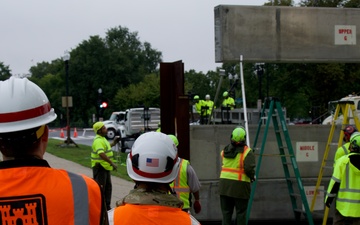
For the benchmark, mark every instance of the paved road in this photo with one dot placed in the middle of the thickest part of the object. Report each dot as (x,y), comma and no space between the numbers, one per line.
(121,187)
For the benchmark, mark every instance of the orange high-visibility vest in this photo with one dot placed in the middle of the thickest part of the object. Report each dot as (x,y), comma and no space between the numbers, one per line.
(233,168)
(48,196)
(129,214)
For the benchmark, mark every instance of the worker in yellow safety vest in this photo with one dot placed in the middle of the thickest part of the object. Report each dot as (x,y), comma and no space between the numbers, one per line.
(237,172)
(344,149)
(102,160)
(209,103)
(228,101)
(198,104)
(345,185)
(153,163)
(186,183)
(210,106)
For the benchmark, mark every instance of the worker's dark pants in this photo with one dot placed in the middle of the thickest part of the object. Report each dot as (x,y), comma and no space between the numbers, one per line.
(103,178)
(342,220)
(227,208)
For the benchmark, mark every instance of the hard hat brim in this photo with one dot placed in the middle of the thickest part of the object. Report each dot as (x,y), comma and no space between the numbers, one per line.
(165,179)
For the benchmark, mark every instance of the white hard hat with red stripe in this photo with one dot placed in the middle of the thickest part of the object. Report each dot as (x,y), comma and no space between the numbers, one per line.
(153,158)
(23,105)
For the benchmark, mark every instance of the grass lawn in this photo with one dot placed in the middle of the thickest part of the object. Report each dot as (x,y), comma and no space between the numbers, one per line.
(81,155)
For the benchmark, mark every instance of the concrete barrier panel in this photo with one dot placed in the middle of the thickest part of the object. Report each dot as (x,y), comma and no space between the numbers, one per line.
(286,34)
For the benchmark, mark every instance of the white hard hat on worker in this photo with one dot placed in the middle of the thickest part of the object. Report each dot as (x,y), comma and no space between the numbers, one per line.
(153,158)
(25,106)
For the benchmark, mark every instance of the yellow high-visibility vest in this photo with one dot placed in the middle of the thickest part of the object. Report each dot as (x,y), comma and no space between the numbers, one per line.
(233,168)
(180,184)
(101,144)
(348,197)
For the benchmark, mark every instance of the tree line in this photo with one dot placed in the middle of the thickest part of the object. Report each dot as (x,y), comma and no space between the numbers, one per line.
(127,71)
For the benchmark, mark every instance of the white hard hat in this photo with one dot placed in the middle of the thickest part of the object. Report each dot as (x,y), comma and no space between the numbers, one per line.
(207,96)
(24,105)
(153,158)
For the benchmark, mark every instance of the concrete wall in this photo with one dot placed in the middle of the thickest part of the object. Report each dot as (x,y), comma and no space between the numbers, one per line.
(271,200)
(286,34)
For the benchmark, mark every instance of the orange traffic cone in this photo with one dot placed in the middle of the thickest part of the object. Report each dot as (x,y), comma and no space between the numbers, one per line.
(75,133)
(62,135)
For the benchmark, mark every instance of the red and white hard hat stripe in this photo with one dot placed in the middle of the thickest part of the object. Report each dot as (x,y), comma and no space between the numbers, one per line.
(25,114)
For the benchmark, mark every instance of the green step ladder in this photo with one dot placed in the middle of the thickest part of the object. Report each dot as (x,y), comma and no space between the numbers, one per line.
(276,116)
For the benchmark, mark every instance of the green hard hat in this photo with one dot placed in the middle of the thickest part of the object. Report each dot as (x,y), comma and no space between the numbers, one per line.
(174,138)
(225,93)
(355,141)
(238,134)
(196,97)
(97,126)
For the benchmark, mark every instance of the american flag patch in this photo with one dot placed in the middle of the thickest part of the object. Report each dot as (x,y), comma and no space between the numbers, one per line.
(152,162)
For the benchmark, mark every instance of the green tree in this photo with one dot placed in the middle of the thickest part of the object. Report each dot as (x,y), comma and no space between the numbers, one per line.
(112,63)
(197,83)
(352,4)
(323,3)
(5,72)
(279,3)
(44,68)
(145,93)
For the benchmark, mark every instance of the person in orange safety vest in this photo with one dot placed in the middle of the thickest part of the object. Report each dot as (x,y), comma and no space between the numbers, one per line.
(30,189)
(237,171)
(153,163)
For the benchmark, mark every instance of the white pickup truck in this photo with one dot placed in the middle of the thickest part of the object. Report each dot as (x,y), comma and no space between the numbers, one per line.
(129,124)
(332,105)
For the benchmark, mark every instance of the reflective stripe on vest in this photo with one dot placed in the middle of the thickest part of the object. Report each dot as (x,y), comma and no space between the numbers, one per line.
(348,197)
(80,193)
(61,197)
(345,149)
(233,168)
(180,184)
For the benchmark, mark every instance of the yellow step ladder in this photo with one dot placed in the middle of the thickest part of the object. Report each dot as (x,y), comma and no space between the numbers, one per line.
(343,108)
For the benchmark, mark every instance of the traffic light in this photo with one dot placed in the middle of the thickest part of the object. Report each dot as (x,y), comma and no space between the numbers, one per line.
(103,105)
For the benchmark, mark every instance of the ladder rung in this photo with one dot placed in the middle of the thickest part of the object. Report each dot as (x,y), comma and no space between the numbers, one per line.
(299,210)
(333,143)
(291,178)
(318,213)
(283,147)
(295,195)
(328,167)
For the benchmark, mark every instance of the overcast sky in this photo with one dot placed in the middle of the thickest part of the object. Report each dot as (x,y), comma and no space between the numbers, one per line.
(33,31)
